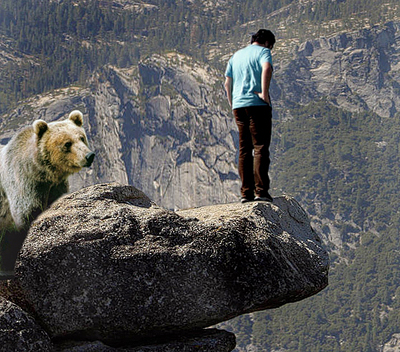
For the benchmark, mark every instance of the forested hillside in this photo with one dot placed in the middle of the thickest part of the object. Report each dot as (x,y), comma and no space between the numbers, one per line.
(334,162)
(336,138)
(49,44)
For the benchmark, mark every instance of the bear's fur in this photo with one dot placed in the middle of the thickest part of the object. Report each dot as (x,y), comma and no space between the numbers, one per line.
(35,165)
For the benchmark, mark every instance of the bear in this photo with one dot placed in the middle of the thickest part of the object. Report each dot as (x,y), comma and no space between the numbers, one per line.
(34,169)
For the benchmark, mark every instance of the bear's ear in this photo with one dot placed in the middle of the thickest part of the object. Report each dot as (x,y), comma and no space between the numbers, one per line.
(76,117)
(40,127)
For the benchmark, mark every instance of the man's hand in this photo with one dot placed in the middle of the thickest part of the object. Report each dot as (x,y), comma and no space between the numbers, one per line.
(228,89)
(266,75)
(263,97)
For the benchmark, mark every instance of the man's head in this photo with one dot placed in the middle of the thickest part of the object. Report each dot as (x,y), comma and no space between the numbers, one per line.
(264,37)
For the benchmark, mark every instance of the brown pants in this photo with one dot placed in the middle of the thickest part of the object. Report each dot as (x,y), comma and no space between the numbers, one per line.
(254,124)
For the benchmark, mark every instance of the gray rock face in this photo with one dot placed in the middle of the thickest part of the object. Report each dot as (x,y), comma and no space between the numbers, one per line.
(393,345)
(165,125)
(356,71)
(19,332)
(106,263)
(162,126)
(204,341)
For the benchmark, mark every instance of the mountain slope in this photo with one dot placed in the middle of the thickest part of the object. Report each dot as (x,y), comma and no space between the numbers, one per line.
(162,126)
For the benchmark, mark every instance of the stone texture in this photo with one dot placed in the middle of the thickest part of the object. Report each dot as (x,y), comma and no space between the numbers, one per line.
(393,345)
(164,125)
(19,332)
(201,341)
(356,71)
(106,263)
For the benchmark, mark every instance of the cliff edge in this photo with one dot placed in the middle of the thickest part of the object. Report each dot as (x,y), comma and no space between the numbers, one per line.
(107,265)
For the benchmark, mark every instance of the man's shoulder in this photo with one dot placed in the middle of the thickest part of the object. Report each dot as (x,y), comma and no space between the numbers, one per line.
(241,53)
(252,50)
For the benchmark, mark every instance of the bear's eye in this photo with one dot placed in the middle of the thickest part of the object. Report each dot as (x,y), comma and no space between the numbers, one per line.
(68,145)
(83,139)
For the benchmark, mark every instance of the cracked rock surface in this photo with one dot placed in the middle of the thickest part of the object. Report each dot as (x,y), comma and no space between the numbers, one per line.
(107,264)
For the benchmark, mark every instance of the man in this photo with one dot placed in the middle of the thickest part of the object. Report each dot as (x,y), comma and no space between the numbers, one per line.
(248,76)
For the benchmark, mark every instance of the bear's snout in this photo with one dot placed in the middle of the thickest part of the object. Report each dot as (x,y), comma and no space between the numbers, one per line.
(89,159)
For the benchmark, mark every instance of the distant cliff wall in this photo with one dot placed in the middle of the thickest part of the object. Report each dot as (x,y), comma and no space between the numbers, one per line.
(356,71)
(165,127)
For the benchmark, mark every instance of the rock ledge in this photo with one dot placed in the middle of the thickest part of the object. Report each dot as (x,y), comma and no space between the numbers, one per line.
(107,264)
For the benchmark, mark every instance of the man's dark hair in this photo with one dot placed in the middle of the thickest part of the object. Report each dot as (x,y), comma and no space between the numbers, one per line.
(263,36)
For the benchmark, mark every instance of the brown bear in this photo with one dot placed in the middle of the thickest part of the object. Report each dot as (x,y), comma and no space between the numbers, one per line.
(34,170)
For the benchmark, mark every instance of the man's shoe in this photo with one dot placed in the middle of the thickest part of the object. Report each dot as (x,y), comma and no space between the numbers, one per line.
(267,198)
(245,200)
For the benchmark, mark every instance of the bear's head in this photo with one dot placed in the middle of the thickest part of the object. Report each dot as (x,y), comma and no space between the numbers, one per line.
(62,145)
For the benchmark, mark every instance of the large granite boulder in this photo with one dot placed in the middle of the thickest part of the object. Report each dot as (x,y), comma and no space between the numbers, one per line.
(205,340)
(106,263)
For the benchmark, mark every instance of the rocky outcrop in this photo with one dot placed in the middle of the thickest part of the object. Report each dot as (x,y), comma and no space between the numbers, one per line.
(107,264)
(393,345)
(356,71)
(205,340)
(163,125)
(19,332)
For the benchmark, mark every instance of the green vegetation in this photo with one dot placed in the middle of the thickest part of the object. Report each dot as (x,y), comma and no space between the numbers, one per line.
(351,163)
(60,43)
(349,160)
(357,312)
(63,42)
(57,43)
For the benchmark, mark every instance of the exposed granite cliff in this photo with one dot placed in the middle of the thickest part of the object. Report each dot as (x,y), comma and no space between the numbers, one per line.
(355,71)
(165,126)
(107,264)
(393,345)
(159,126)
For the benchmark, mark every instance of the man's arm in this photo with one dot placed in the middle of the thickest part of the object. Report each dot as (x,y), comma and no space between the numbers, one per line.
(228,89)
(266,75)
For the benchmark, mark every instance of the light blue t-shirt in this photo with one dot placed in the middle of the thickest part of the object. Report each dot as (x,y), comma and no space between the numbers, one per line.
(245,68)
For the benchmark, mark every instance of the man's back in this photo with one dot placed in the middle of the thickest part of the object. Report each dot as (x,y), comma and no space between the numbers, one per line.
(245,68)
